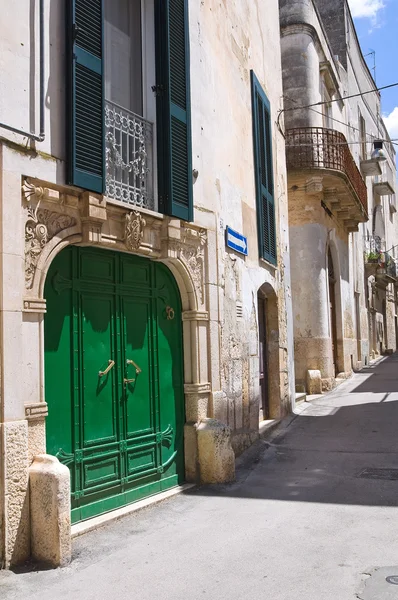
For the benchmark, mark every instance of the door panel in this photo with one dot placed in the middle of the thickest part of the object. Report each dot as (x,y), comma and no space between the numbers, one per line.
(100,471)
(58,364)
(96,267)
(138,385)
(121,440)
(170,382)
(263,360)
(99,408)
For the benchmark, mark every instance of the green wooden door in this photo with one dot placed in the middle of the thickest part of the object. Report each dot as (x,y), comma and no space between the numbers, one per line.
(113,376)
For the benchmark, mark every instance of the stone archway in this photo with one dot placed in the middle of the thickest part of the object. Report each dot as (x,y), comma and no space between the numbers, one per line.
(336,325)
(56,216)
(332,310)
(59,217)
(269,351)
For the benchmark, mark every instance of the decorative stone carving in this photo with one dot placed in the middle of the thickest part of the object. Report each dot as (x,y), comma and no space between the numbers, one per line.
(29,190)
(195,315)
(193,253)
(34,411)
(134,231)
(40,227)
(34,305)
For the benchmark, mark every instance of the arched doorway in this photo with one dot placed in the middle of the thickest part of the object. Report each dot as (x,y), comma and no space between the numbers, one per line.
(269,354)
(113,377)
(384,342)
(263,357)
(332,308)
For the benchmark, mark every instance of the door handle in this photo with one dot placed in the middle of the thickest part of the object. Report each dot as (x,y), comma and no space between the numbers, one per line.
(126,381)
(108,368)
(137,368)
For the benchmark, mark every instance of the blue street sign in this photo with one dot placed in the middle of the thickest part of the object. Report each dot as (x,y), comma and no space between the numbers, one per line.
(236,241)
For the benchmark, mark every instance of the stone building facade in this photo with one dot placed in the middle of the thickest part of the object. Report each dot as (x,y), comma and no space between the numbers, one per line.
(136,346)
(341,200)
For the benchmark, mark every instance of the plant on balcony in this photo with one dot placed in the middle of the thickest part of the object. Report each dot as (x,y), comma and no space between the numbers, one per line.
(375,258)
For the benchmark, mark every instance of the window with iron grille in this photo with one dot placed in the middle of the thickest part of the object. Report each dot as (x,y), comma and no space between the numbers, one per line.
(129,102)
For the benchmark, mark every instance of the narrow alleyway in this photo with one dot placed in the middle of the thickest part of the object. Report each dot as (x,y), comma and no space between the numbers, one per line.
(312,517)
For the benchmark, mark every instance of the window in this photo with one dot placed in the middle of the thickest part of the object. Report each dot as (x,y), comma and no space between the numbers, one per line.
(362,137)
(123,54)
(327,106)
(129,122)
(130,111)
(262,137)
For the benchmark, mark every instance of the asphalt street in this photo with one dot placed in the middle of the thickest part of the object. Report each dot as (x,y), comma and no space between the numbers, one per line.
(313,514)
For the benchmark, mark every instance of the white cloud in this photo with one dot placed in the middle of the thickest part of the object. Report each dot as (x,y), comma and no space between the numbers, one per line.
(391,122)
(365,8)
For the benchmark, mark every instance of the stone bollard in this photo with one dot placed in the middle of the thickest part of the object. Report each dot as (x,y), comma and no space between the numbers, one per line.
(215,455)
(49,484)
(314,382)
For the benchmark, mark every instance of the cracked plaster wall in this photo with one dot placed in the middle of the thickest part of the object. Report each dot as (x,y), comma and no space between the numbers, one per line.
(227,40)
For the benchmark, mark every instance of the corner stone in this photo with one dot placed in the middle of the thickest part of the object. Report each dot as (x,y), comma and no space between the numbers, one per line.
(314,382)
(215,455)
(49,483)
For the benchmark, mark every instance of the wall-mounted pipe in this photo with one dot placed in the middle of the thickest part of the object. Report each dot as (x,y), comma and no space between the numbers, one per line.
(33,136)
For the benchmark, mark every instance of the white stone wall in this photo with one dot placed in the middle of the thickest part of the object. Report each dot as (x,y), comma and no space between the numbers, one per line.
(227,40)
(359,79)
(307,56)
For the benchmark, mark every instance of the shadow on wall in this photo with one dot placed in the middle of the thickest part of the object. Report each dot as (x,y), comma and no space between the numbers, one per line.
(337,454)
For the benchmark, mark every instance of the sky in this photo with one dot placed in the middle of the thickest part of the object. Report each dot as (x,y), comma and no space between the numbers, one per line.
(376,23)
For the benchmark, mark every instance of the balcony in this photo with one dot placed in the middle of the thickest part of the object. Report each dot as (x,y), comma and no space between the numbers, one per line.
(379,263)
(325,153)
(128,157)
(370,167)
(384,184)
(387,272)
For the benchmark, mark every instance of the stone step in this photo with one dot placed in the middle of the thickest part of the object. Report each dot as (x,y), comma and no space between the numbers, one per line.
(300,397)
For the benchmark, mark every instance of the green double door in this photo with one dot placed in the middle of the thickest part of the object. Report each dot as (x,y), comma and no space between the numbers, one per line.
(113,377)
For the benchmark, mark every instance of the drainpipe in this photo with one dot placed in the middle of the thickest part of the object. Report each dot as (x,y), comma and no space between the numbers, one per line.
(34,136)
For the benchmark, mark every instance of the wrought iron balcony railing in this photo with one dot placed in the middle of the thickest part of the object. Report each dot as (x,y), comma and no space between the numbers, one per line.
(374,245)
(321,148)
(391,266)
(128,157)
(378,262)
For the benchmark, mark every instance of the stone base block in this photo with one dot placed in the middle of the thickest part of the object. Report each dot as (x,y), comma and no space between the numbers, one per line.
(328,384)
(191,452)
(49,483)
(242,440)
(14,494)
(314,382)
(215,455)
(314,354)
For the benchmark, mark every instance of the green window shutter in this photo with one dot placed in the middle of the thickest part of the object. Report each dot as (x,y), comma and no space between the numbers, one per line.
(86,94)
(262,138)
(173,109)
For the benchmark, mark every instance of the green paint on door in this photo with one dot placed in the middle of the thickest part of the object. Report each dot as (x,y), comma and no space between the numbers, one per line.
(113,377)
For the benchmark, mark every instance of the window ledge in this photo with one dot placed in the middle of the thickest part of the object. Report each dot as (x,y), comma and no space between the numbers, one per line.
(265,263)
(133,207)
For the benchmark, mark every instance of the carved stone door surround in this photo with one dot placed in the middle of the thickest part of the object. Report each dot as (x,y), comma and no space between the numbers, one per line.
(57,216)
